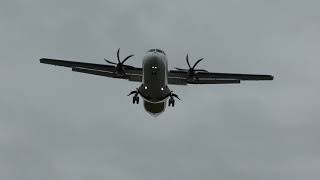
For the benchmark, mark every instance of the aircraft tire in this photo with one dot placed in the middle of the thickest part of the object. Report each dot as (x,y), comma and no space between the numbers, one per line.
(135,100)
(171,102)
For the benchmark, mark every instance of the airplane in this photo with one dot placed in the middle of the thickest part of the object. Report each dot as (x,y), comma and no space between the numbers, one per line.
(155,77)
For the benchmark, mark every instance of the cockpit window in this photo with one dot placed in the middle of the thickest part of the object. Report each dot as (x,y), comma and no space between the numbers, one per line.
(151,50)
(160,51)
(157,50)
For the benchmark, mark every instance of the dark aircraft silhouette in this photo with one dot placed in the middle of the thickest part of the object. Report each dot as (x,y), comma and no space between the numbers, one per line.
(155,77)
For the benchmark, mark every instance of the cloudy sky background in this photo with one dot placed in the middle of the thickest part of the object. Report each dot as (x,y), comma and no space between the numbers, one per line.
(58,124)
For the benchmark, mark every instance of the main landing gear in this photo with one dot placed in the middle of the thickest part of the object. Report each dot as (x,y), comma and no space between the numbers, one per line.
(171,102)
(135,99)
(171,99)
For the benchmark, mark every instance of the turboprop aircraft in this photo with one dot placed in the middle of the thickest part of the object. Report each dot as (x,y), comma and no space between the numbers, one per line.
(155,77)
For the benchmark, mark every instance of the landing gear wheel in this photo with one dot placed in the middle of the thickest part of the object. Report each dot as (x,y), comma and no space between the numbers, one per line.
(171,102)
(135,100)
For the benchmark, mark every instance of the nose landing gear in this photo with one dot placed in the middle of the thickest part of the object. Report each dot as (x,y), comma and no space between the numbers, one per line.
(135,99)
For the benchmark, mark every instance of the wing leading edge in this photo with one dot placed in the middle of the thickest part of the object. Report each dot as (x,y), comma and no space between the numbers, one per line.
(129,73)
(175,77)
(184,77)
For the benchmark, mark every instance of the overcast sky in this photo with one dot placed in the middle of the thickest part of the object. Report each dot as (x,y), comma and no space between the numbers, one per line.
(58,124)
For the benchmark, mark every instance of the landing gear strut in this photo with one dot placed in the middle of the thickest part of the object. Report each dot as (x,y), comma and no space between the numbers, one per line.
(171,100)
(135,99)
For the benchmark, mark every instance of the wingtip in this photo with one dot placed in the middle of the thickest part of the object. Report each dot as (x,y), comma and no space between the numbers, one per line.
(271,77)
(42,60)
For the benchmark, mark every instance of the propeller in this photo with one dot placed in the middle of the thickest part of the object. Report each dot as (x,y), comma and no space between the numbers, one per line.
(192,71)
(120,65)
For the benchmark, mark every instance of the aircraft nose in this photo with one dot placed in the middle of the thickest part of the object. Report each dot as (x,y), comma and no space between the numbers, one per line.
(155,56)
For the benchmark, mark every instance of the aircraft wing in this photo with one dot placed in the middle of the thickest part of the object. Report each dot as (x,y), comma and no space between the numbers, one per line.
(212,78)
(246,77)
(130,73)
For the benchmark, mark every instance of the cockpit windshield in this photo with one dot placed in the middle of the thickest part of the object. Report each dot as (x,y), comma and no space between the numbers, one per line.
(157,50)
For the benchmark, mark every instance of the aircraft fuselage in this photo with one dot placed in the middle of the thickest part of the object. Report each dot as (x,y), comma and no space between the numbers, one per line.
(154,88)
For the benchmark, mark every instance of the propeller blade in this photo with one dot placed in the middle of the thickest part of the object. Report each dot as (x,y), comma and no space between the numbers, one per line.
(181,69)
(110,62)
(127,58)
(200,70)
(118,55)
(187,59)
(128,66)
(197,63)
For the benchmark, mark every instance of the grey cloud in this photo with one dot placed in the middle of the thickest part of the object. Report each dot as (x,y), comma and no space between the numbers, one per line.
(255,130)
